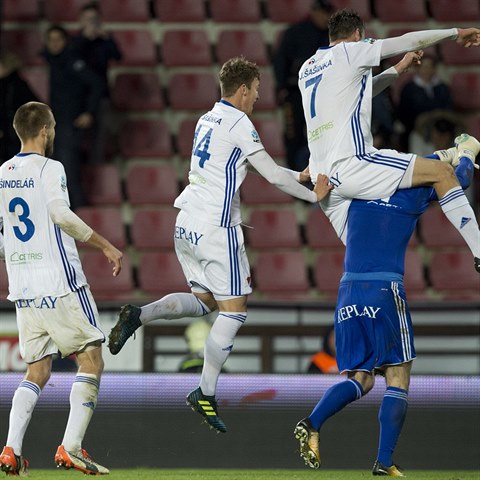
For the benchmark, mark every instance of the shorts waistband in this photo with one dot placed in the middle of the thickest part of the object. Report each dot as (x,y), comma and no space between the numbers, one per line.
(369,276)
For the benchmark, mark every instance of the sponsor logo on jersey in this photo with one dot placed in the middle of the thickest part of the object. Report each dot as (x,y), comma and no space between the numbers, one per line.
(25,183)
(349,311)
(369,40)
(63,183)
(196,179)
(255,136)
(22,258)
(12,166)
(314,135)
(383,203)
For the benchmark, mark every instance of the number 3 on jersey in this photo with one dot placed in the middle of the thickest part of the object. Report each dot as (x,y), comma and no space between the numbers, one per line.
(201,144)
(22,217)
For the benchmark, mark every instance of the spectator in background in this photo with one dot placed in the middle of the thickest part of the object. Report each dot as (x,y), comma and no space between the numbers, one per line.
(97,48)
(75,95)
(298,43)
(424,93)
(14,92)
(325,361)
(196,335)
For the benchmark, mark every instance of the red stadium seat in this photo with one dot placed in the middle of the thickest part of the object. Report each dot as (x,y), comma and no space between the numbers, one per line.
(103,284)
(137,91)
(465,88)
(154,228)
(186,48)
(319,231)
(327,271)
(124,10)
(20,11)
(233,11)
(362,7)
(453,274)
(102,184)
(249,43)
(178,11)
(145,138)
(273,229)
(27,44)
(266,93)
(454,54)
(189,91)
(255,190)
(147,184)
(37,79)
(105,220)
(3,281)
(270,132)
(160,274)
(186,131)
(137,47)
(287,11)
(462,11)
(437,231)
(401,11)
(414,278)
(281,275)
(63,10)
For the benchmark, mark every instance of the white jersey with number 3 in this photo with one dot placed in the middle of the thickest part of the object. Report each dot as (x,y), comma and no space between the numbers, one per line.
(41,259)
(224,137)
(336,88)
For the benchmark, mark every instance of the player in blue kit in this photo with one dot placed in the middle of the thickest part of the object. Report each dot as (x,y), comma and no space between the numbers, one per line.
(373,327)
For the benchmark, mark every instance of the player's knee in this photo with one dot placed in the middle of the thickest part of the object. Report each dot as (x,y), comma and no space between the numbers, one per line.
(445,171)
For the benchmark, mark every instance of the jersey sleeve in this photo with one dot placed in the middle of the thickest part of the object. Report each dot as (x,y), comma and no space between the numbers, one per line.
(366,53)
(54,181)
(246,137)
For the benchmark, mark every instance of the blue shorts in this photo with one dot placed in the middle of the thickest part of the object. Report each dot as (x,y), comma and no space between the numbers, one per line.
(373,327)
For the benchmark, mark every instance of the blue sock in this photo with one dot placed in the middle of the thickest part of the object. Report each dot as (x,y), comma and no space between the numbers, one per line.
(335,398)
(391,417)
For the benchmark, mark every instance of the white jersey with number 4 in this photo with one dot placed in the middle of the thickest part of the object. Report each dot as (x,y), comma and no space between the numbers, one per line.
(224,137)
(336,88)
(41,259)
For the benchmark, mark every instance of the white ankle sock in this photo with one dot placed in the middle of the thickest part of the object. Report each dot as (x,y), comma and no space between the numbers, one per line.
(23,403)
(173,306)
(83,399)
(218,346)
(456,208)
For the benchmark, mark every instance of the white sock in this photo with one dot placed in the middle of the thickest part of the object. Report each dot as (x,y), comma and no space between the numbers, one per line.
(173,306)
(456,208)
(83,399)
(218,346)
(23,403)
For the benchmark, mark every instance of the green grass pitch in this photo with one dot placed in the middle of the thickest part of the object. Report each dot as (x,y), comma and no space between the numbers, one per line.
(220,474)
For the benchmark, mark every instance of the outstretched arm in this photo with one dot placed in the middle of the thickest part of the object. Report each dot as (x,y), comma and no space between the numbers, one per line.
(412,41)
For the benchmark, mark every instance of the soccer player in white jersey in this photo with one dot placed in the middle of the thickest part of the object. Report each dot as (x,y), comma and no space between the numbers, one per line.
(337,88)
(55,309)
(208,236)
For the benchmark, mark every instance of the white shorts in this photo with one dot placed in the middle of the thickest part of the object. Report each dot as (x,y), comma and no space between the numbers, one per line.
(57,324)
(213,258)
(377,176)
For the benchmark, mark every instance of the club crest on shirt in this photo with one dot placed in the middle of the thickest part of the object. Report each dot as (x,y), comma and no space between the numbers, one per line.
(63,183)
(255,136)
(369,40)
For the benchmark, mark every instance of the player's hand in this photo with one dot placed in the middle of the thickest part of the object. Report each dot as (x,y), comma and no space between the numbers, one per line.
(469,37)
(304,176)
(114,256)
(410,58)
(322,187)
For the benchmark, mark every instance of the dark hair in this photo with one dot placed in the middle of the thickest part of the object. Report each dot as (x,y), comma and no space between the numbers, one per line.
(30,118)
(91,6)
(344,23)
(57,28)
(236,72)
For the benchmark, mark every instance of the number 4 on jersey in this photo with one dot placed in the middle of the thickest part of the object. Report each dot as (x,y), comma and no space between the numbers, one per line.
(201,144)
